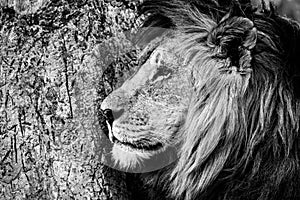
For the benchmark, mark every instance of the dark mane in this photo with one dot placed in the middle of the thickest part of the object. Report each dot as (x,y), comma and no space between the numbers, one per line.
(247,146)
(174,13)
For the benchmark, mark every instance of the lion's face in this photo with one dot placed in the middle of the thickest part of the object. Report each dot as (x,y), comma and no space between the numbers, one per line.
(148,109)
(230,104)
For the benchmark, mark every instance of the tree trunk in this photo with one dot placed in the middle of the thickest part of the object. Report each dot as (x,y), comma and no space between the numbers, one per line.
(51,59)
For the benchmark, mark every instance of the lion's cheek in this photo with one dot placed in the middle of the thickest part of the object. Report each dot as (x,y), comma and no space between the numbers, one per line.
(166,125)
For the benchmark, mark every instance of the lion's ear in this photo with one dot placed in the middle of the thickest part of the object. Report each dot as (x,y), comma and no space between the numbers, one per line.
(233,39)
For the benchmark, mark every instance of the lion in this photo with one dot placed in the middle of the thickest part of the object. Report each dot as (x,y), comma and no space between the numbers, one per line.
(219,84)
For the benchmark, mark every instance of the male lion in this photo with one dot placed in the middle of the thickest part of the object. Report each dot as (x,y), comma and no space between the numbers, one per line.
(229,102)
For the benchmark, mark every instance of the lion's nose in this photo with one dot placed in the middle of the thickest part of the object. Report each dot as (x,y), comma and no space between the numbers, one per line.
(108,114)
(111,115)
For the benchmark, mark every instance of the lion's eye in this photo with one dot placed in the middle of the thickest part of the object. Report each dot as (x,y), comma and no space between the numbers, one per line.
(162,72)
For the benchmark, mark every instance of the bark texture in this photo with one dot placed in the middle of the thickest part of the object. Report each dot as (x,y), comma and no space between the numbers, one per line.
(51,63)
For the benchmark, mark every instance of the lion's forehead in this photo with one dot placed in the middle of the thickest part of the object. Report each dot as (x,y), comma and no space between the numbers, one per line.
(169,81)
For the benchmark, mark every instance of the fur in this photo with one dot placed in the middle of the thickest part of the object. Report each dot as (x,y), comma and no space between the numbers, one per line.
(241,137)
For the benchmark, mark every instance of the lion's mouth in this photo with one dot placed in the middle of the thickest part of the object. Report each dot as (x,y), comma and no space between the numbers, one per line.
(141,145)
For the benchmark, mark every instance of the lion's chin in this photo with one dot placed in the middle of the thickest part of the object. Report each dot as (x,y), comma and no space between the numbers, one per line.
(128,159)
(138,161)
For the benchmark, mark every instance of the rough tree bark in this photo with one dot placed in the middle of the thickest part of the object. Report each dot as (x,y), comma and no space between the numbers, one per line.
(50,63)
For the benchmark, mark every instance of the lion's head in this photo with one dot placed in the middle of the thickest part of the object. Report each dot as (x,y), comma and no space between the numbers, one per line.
(221,86)
(149,108)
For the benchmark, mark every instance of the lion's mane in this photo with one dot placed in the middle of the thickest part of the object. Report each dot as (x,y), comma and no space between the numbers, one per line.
(241,136)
